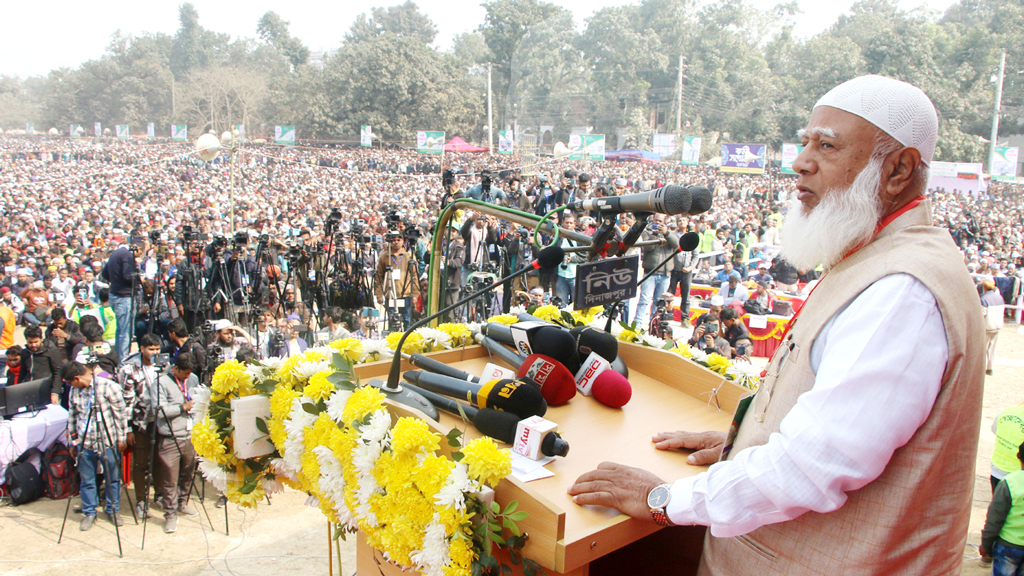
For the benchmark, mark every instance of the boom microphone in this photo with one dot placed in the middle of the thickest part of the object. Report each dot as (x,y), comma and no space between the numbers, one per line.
(513,396)
(688,242)
(556,382)
(671,199)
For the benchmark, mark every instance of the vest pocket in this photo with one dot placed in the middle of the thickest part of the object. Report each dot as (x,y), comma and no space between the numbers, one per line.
(757,548)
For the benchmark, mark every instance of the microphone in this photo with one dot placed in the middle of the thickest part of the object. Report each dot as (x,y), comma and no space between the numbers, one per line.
(547,258)
(431,365)
(671,199)
(604,233)
(688,242)
(502,426)
(513,396)
(631,235)
(591,340)
(612,389)
(556,382)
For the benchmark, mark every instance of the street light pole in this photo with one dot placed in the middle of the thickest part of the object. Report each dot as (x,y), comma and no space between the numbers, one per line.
(995,116)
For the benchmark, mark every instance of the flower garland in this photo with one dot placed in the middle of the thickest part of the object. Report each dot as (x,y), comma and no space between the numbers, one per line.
(334,440)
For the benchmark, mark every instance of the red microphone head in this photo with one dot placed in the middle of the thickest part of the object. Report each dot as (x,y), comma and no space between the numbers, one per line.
(557,384)
(612,389)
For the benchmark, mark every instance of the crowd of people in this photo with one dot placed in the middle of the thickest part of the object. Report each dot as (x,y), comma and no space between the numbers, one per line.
(106,244)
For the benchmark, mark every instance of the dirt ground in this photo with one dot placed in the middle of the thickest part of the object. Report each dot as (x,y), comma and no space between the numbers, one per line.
(288,537)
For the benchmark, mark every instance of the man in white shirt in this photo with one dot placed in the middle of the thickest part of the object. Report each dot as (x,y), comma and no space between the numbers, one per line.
(857,454)
(733,291)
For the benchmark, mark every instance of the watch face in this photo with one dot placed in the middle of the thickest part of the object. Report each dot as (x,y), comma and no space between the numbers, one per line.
(658,497)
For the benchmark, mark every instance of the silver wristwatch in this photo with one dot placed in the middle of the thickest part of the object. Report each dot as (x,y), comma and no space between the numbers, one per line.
(657,501)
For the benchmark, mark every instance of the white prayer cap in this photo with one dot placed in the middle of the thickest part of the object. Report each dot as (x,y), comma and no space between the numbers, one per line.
(221,324)
(899,109)
(717,300)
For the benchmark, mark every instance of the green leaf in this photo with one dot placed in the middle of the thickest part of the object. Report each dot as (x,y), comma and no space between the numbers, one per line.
(310,408)
(458,456)
(519,516)
(261,425)
(489,561)
(494,527)
(495,507)
(506,569)
(511,507)
(462,412)
(248,487)
(477,568)
(510,525)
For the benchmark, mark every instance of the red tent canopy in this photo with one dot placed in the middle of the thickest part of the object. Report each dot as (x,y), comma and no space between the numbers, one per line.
(459,145)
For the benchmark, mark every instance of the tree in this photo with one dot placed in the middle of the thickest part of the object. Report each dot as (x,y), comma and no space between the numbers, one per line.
(274,31)
(404,21)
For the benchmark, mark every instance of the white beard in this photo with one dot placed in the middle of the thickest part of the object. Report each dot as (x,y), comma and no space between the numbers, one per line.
(844,220)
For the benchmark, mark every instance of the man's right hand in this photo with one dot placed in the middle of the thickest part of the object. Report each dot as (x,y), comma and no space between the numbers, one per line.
(188,405)
(710,341)
(708,445)
(130,440)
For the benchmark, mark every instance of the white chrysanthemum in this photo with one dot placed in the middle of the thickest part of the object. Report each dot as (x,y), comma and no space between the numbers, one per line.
(746,374)
(307,369)
(517,310)
(214,473)
(436,338)
(256,372)
(327,351)
(364,457)
(699,355)
(453,493)
(332,480)
(432,559)
(295,426)
(374,350)
(616,329)
(652,341)
(201,397)
(377,428)
(280,468)
(272,486)
(599,322)
(272,363)
(336,404)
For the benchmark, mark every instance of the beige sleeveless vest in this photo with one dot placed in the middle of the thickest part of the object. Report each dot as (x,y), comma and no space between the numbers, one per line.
(913,519)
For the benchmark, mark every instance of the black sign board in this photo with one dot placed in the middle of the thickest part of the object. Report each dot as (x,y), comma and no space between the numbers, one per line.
(605,281)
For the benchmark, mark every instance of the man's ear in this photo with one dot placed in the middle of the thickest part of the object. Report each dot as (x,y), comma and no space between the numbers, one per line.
(898,171)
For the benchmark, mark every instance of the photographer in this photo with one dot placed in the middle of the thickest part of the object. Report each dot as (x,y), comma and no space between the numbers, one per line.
(137,376)
(453,263)
(182,343)
(706,337)
(396,277)
(63,332)
(152,310)
(120,269)
(567,193)
(486,191)
(174,432)
(266,335)
(657,284)
(681,273)
(226,339)
(189,285)
(517,197)
(566,280)
(333,328)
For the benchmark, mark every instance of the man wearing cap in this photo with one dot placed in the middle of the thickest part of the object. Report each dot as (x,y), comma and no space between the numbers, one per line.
(762,275)
(120,269)
(733,291)
(993,310)
(857,454)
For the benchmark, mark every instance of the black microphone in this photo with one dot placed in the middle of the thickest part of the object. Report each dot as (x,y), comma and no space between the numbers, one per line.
(604,233)
(688,242)
(547,258)
(671,199)
(515,396)
(631,235)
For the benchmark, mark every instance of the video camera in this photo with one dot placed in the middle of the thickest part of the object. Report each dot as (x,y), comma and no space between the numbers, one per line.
(241,238)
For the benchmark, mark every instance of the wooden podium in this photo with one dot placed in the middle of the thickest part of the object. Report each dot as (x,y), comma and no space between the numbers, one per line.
(669,393)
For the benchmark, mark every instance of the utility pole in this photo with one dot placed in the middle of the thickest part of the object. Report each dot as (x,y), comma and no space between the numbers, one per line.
(490,123)
(679,98)
(995,115)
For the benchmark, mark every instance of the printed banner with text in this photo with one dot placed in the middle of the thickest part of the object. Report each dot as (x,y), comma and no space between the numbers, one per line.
(691,150)
(98,129)
(743,158)
(179,132)
(76,130)
(586,147)
(122,131)
(505,142)
(430,142)
(789,154)
(151,130)
(366,136)
(284,135)
(1004,165)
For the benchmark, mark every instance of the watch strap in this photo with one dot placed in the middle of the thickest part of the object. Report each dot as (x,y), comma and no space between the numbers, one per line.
(658,514)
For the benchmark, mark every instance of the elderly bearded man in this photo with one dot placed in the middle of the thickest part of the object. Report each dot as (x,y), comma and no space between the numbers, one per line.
(857,454)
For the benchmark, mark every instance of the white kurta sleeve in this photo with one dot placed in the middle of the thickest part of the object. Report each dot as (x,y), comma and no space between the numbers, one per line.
(879,364)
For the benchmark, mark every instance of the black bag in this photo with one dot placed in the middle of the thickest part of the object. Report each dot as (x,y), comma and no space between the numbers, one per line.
(753,307)
(58,472)
(23,481)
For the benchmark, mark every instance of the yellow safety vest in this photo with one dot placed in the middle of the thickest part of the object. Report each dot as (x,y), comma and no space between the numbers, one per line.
(1009,436)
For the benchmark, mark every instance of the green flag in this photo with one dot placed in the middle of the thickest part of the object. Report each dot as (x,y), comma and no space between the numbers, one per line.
(430,142)
(179,133)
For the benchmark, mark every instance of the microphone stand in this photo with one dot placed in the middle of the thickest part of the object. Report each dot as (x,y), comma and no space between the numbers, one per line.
(615,306)
(392,387)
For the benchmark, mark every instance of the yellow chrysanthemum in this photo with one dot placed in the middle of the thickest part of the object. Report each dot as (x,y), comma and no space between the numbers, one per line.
(628,335)
(412,436)
(718,363)
(319,387)
(350,348)
(207,443)
(462,554)
(506,319)
(459,333)
(361,403)
(277,433)
(486,462)
(249,500)
(231,378)
(413,344)
(551,313)
(431,474)
(314,356)
(286,372)
(281,402)
(683,350)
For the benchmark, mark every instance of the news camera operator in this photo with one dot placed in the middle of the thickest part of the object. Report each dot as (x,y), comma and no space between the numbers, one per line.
(454,260)
(657,284)
(152,310)
(568,192)
(182,342)
(487,191)
(119,271)
(396,280)
(190,274)
(517,197)
(137,376)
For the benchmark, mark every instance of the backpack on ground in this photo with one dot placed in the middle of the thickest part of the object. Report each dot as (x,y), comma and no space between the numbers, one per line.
(23,481)
(58,472)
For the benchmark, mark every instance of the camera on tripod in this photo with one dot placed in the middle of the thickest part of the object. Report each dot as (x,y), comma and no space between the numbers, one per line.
(241,238)
(293,254)
(186,234)
(660,326)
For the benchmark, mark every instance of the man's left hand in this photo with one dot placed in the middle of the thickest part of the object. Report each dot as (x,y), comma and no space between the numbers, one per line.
(121,447)
(616,486)
(59,333)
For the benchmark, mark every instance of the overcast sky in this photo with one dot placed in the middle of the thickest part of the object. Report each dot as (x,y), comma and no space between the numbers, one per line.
(41,36)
